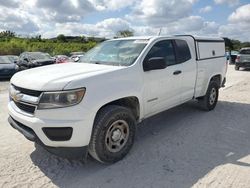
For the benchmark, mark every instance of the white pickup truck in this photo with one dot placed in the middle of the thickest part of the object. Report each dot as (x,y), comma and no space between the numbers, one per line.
(94,106)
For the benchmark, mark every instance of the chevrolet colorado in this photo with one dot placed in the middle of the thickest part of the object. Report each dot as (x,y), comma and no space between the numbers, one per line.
(93,106)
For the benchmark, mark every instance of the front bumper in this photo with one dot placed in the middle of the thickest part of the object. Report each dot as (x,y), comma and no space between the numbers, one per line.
(57,118)
(76,153)
(47,128)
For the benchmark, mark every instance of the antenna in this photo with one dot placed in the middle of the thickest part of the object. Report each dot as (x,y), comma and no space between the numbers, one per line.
(159,32)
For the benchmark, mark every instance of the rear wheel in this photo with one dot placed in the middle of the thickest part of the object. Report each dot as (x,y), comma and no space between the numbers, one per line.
(209,101)
(113,134)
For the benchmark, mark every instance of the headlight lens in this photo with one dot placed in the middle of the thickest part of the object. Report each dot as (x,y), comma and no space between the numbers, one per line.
(61,98)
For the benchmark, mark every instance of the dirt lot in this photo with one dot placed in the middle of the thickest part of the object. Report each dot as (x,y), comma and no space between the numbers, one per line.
(182,147)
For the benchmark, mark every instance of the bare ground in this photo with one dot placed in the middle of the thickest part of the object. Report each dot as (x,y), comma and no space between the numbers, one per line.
(181,147)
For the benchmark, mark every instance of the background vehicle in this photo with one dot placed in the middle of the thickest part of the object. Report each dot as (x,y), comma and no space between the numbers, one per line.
(61,59)
(34,59)
(7,67)
(231,56)
(94,106)
(243,59)
(75,56)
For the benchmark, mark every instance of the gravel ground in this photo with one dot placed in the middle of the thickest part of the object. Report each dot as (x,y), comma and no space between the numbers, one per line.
(181,147)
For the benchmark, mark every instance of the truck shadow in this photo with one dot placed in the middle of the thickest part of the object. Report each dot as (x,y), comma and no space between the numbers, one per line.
(175,148)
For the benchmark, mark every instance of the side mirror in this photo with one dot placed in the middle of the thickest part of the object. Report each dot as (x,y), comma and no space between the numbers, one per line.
(154,63)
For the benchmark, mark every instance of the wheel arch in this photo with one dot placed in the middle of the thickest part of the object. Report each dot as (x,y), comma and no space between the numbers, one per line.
(217,79)
(131,102)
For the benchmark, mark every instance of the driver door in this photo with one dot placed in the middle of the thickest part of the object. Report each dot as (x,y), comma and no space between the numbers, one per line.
(162,89)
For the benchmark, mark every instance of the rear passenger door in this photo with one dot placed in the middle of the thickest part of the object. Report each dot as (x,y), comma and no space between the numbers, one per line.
(188,69)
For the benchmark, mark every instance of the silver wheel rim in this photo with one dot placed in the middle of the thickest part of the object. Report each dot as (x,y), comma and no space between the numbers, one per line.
(212,97)
(117,136)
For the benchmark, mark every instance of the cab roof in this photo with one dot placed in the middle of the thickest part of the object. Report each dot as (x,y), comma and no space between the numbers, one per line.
(197,38)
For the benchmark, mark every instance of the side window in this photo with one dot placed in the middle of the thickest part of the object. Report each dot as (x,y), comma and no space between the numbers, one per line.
(163,49)
(182,51)
(21,57)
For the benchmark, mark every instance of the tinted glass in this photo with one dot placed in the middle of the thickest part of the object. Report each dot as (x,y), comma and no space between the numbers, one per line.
(38,55)
(5,60)
(13,58)
(182,51)
(245,51)
(163,49)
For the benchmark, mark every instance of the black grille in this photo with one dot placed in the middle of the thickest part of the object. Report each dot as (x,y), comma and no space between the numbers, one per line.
(28,91)
(25,107)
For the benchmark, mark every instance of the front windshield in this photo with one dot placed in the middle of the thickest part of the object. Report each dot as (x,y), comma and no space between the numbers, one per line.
(5,60)
(115,52)
(34,56)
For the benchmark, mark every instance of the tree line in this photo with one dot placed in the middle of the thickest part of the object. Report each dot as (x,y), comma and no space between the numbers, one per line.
(12,44)
(235,44)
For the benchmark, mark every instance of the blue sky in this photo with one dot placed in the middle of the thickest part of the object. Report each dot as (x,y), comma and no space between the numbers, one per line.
(104,18)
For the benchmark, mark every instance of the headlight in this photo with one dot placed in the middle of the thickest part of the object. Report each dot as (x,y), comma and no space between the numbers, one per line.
(61,98)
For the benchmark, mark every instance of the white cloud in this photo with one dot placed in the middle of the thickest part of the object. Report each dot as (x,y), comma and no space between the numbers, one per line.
(206,9)
(160,12)
(239,24)
(190,25)
(235,31)
(111,4)
(17,21)
(242,14)
(64,10)
(106,28)
(9,3)
(144,17)
(229,2)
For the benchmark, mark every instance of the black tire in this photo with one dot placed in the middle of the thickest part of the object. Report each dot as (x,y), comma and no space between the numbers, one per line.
(103,147)
(209,101)
(236,67)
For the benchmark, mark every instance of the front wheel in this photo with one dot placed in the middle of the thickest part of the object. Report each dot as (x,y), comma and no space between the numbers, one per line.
(209,101)
(113,134)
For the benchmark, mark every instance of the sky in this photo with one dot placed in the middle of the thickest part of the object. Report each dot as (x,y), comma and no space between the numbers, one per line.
(104,18)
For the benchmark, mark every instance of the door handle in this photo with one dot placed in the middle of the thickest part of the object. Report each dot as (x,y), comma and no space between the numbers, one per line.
(176,72)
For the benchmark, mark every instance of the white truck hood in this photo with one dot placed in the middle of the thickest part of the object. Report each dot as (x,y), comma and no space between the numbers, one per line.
(56,77)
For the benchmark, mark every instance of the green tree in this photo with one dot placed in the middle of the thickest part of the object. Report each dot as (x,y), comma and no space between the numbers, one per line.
(7,34)
(61,38)
(237,45)
(228,44)
(245,44)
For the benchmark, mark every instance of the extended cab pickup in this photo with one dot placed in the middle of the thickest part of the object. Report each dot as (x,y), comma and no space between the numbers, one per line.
(94,106)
